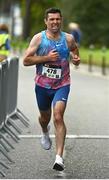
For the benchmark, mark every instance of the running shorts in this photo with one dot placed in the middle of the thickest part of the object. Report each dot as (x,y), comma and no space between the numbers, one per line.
(46,97)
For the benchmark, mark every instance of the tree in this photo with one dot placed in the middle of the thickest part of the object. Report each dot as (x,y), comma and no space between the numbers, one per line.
(91,16)
(26,19)
(33,14)
(93,20)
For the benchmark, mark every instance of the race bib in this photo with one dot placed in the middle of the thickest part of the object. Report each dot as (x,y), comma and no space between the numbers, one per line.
(52,72)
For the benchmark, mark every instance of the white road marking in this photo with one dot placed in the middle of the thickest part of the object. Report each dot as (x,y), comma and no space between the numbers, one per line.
(68,136)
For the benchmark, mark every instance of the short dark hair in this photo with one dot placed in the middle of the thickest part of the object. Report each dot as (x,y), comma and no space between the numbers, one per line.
(52,10)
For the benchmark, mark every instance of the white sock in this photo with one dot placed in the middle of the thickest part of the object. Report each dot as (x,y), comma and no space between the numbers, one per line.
(59,159)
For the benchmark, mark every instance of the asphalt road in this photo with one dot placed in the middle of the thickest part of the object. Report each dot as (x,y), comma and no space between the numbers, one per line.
(87,119)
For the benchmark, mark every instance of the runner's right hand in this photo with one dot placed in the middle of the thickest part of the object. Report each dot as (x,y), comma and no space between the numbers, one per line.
(53,55)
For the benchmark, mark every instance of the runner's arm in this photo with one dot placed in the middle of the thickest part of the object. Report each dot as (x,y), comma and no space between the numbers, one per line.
(74,51)
(31,57)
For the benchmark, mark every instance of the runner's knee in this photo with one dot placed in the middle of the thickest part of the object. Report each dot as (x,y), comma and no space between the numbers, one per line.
(58,118)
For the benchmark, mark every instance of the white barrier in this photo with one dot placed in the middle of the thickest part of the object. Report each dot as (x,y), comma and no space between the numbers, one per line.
(3,91)
(9,112)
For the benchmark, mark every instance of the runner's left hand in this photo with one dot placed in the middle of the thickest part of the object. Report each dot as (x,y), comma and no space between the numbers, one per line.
(76,60)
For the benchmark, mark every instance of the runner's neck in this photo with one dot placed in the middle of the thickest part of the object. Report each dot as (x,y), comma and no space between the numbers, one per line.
(54,36)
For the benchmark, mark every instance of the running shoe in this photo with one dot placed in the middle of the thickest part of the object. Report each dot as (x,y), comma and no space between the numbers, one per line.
(45,140)
(59,164)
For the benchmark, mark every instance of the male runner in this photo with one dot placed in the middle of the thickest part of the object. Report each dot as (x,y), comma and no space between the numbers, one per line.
(49,50)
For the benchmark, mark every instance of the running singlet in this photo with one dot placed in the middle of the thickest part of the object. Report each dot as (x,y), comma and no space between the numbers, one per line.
(53,75)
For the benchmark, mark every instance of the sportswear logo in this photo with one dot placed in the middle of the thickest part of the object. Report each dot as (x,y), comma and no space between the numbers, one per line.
(59,44)
(63,99)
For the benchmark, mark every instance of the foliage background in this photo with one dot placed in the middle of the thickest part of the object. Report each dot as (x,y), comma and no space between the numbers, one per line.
(92,17)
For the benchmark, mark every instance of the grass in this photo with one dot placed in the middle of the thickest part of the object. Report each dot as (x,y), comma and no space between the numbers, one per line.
(19,44)
(97,56)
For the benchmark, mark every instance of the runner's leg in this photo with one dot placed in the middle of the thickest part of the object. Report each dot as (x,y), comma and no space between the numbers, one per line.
(59,105)
(44,119)
(60,128)
(44,105)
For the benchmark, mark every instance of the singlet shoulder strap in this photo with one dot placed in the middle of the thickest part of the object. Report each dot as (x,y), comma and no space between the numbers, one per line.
(63,35)
(43,34)
(63,38)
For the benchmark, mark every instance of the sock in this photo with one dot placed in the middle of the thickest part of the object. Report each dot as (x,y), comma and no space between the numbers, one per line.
(59,158)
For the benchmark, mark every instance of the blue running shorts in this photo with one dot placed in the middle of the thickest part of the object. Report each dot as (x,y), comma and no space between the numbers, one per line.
(45,97)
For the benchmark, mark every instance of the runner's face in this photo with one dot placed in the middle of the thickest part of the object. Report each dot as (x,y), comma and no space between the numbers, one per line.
(53,22)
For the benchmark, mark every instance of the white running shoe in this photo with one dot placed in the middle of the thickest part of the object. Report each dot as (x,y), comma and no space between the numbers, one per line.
(45,140)
(59,164)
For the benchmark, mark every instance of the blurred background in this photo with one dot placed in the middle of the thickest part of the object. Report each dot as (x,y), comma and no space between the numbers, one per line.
(26,17)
